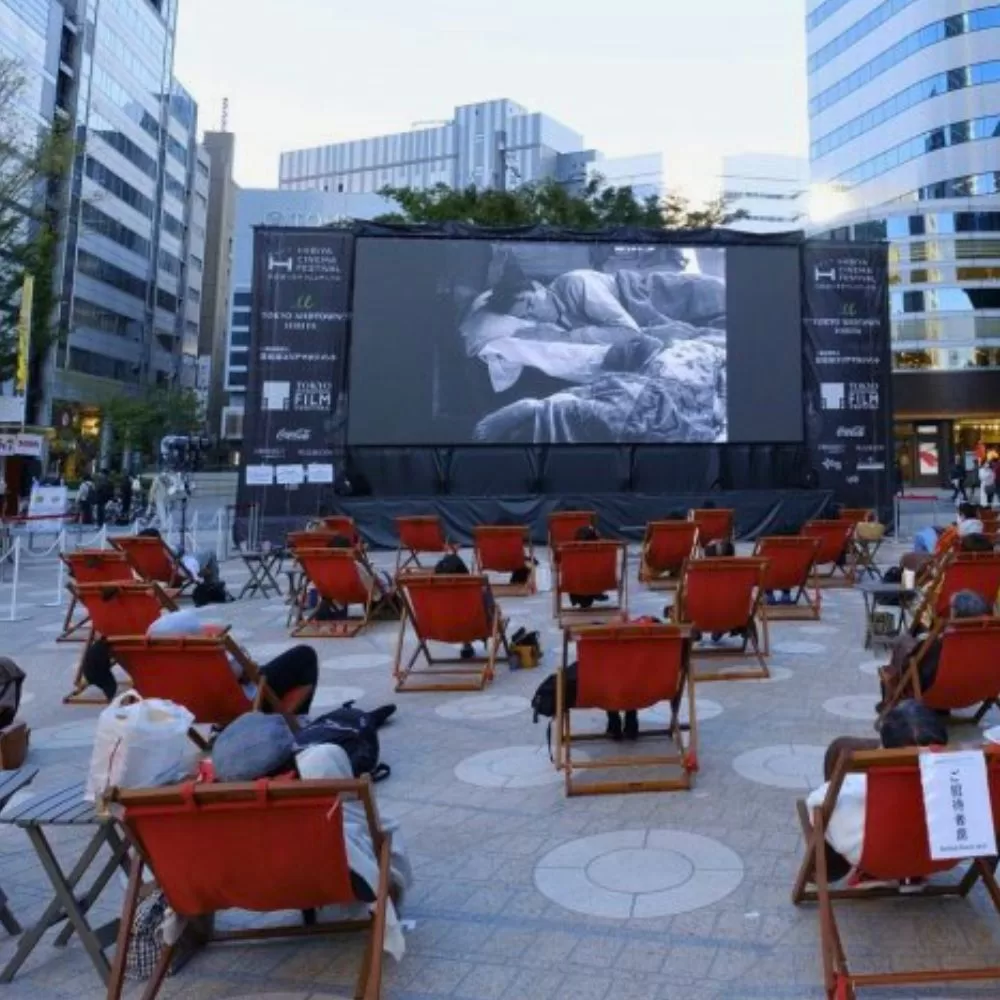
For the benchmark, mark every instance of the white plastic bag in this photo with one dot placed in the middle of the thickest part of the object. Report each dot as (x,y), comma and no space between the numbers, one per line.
(141,743)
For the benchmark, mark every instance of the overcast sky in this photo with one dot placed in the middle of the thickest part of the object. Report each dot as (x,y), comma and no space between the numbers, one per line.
(694,79)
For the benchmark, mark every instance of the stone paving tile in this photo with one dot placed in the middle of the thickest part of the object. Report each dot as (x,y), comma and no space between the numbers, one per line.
(483,930)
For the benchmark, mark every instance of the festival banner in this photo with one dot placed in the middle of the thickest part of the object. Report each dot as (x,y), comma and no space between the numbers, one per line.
(14,394)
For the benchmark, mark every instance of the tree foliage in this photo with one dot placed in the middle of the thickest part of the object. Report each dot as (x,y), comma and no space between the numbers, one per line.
(33,163)
(139,422)
(595,206)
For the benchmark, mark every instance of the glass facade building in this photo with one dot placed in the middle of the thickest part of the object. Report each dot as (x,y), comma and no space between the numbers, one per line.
(904,113)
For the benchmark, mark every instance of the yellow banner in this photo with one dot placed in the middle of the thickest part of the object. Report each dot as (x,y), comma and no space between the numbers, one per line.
(24,336)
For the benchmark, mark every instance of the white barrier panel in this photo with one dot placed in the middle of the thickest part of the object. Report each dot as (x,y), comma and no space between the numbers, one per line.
(14,554)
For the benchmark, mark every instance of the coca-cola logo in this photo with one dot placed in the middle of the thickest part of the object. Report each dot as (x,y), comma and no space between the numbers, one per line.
(298,434)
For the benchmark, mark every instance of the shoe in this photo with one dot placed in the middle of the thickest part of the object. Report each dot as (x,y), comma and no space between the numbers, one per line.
(601,597)
(468,651)
(614,729)
(857,879)
(631,725)
(382,715)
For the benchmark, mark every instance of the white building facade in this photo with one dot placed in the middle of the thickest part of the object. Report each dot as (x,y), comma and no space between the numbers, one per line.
(768,191)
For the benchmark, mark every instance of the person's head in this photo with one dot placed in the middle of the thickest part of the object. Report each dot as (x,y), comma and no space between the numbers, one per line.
(976,541)
(708,505)
(524,299)
(340,542)
(911,724)
(150,533)
(586,533)
(451,565)
(968,512)
(968,604)
(720,550)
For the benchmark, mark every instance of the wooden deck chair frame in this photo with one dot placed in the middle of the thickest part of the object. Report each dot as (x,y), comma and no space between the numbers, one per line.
(602,613)
(684,756)
(117,570)
(86,592)
(837,576)
(564,524)
(703,516)
(445,673)
(840,982)
(659,579)
(756,641)
(513,535)
(929,609)
(909,685)
(126,648)
(131,545)
(408,555)
(807,598)
(306,625)
(228,797)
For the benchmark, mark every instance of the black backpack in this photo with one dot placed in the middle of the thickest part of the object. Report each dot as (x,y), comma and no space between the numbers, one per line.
(354,731)
(544,701)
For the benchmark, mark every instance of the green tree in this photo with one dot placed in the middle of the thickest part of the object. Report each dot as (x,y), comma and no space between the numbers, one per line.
(139,422)
(596,206)
(33,165)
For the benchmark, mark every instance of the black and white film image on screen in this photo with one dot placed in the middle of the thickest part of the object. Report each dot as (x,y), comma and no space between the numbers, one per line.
(629,348)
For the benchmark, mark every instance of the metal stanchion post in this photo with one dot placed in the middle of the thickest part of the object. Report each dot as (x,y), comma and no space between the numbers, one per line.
(60,581)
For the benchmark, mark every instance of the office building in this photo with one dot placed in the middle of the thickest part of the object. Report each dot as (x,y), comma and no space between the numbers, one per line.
(768,192)
(132,211)
(495,144)
(259,207)
(904,112)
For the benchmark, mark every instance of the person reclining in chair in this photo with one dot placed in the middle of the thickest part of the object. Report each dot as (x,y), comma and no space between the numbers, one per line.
(963,604)
(384,589)
(932,543)
(452,565)
(909,724)
(587,533)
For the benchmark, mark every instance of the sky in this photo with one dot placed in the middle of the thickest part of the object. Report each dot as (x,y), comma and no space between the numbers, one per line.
(693,79)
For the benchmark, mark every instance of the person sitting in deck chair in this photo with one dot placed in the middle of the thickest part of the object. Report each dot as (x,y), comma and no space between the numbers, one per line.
(452,565)
(588,533)
(296,667)
(204,567)
(931,543)
(909,724)
(963,604)
(386,603)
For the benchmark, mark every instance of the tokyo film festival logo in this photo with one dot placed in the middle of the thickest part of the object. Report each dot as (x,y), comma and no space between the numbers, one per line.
(863,396)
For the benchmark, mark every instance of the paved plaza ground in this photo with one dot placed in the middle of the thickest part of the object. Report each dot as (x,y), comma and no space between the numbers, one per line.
(521,893)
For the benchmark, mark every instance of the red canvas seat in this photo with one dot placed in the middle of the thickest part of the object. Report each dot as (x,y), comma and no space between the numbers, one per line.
(317,538)
(896,848)
(856,515)
(195,672)
(564,524)
(620,668)
(344,526)
(835,548)
(791,564)
(452,610)
(588,569)
(423,535)
(505,549)
(968,671)
(975,571)
(666,547)
(90,566)
(153,562)
(335,575)
(115,609)
(714,525)
(719,596)
(265,847)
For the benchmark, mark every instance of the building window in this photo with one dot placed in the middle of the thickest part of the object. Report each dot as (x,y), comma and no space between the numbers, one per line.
(237,380)
(102,270)
(121,189)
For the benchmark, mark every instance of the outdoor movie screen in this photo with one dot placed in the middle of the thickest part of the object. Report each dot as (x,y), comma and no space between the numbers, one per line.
(466,341)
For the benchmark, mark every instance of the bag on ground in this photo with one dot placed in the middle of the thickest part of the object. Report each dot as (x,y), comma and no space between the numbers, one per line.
(544,701)
(354,731)
(140,743)
(11,679)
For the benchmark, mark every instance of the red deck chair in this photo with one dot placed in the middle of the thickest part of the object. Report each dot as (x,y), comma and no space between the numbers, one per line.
(720,596)
(505,548)
(835,546)
(564,524)
(448,609)
(856,515)
(341,524)
(976,571)
(665,548)
(266,847)
(895,848)
(195,672)
(585,568)
(622,667)
(968,672)
(714,525)
(115,609)
(153,562)
(334,574)
(791,564)
(90,566)
(423,535)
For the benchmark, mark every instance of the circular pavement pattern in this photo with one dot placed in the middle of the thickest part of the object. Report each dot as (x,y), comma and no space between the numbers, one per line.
(799,648)
(776,674)
(853,706)
(69,736)
(334,696)
(660,714)
(483,706)
(510,767)
(357,661)
(795,765)
(871,667)
(639,873)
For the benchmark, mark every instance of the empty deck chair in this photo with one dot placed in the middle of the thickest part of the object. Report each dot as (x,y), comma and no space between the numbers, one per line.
(666,547)
(90,566)
(836,552)
(505,549)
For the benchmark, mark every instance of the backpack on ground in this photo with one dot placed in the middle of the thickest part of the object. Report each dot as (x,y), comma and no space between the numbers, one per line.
(355,732)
